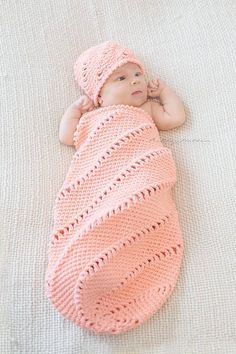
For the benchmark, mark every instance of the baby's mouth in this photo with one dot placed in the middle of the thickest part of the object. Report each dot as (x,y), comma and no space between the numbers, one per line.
(137,92)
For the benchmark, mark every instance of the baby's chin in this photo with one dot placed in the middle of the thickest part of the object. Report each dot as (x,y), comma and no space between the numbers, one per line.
(136,102)
(122,104)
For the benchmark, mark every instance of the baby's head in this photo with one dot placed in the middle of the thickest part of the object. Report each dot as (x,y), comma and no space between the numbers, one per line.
(110,74)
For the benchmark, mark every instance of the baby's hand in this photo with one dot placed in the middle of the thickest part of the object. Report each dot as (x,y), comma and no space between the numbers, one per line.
(155,87)
(85,104)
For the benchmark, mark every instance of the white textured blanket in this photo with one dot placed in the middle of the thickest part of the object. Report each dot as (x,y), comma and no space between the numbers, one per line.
(191,45)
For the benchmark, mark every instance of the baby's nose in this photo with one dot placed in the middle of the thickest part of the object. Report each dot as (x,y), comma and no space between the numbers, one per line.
(134,81)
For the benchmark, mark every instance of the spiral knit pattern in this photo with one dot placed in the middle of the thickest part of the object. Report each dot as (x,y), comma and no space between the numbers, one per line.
(116,247)
(94,66)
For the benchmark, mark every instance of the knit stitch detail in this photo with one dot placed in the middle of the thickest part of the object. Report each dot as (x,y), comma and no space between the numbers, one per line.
(116,247)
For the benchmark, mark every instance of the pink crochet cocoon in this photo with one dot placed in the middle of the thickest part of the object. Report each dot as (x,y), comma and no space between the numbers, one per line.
(116,247)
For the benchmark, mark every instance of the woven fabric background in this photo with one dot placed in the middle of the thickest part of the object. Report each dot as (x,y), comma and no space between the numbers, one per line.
(191,45)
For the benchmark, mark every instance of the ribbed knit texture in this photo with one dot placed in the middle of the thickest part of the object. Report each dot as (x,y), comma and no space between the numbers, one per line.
(116,246)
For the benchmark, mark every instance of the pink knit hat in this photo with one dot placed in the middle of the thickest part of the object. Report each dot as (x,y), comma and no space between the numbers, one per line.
(94,66)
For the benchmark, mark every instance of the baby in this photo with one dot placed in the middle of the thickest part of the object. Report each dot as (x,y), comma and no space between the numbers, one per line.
(127,85)
(116,245)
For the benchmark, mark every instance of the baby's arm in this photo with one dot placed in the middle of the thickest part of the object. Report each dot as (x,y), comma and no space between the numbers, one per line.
(170,113)
(68,124)
(71,117)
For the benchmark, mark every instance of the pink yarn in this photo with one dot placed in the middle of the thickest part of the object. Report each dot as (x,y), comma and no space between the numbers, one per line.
(116,247)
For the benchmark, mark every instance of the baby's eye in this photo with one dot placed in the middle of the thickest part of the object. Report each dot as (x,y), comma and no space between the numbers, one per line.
(120,77)
(138,73)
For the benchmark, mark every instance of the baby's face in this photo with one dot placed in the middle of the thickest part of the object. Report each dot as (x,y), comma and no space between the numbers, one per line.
(119,87)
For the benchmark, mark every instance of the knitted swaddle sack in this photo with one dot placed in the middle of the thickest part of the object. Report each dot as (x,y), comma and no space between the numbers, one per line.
(116,248)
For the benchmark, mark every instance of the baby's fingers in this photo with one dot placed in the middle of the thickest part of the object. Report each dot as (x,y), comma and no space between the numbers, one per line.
(151,84)
(154,83)
(157,82)
(80,102)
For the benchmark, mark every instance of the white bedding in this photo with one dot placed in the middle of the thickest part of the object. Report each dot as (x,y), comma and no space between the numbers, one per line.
(191,45)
